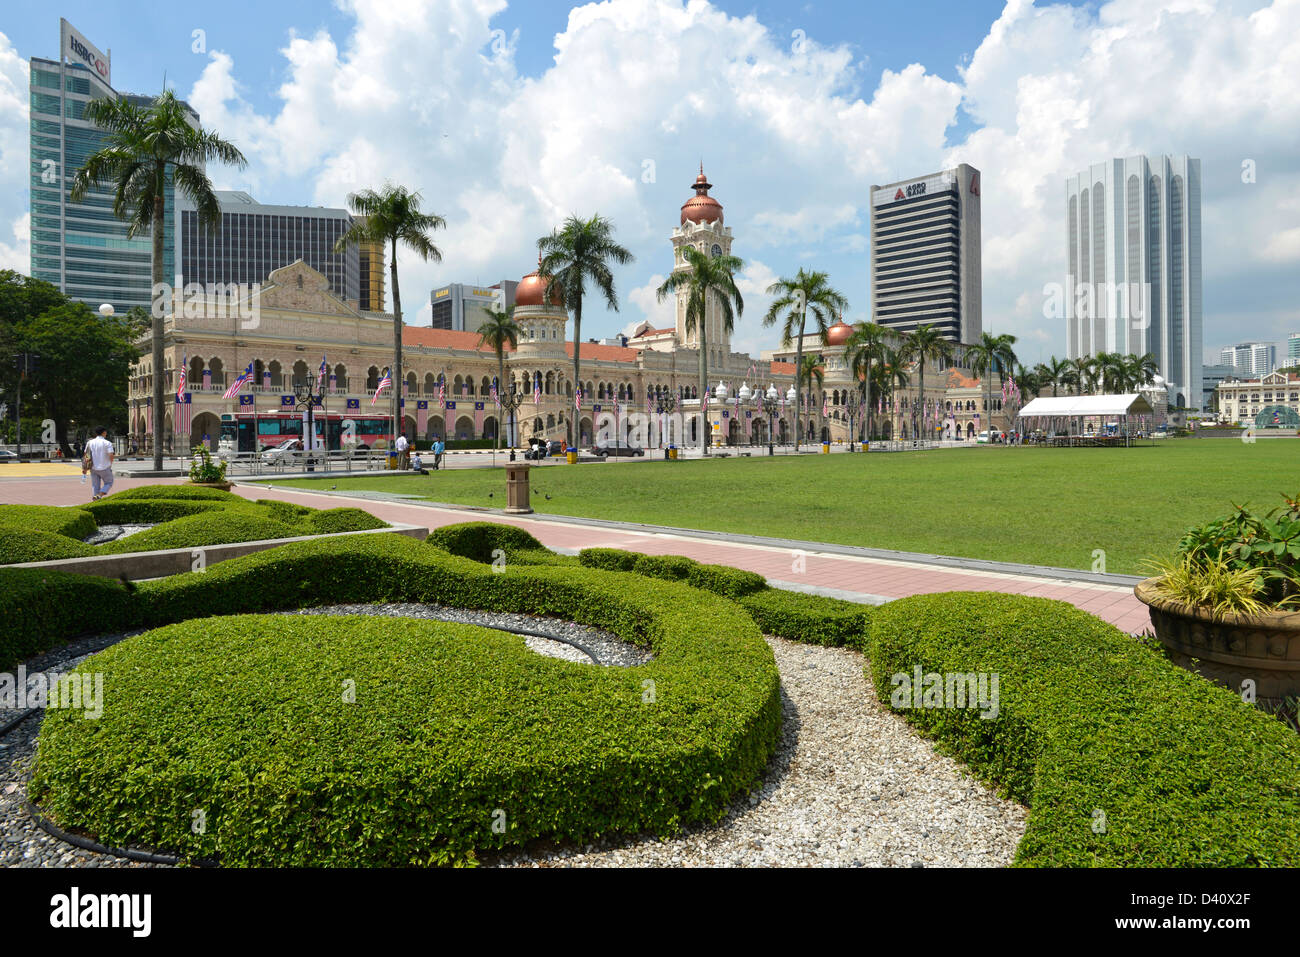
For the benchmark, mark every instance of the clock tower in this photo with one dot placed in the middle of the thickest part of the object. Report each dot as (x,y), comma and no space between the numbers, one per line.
(702,227)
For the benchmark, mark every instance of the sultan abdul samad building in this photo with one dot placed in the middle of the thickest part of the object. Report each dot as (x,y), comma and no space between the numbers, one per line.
(297,320)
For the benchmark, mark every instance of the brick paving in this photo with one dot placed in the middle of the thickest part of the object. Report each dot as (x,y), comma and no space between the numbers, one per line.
(867,579)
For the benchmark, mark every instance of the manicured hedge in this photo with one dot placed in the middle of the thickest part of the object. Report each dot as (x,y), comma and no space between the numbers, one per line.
(610,559)
(195,531)
(71,522)
(1125,759)
(453,729)
(478,540)
(186,493)
(18,545)
(333,520)
(285,512)
(42,609)
(540,556)
(124,511)
(812,619)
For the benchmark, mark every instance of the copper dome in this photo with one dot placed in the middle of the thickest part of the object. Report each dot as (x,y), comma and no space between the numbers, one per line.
(702,208)
(531,290)
(839,333)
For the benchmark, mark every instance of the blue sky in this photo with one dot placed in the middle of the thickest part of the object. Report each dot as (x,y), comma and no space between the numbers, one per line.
(505,142)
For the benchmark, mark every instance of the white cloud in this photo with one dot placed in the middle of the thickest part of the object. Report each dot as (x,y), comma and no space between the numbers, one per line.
(15,157)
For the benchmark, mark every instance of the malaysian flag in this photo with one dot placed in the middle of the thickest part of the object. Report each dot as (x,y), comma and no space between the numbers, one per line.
(182,417)
(384,383)
(442,395)
(180,383)
(495,399)
(577,400)
(239,383)
(322,375)
(537,391)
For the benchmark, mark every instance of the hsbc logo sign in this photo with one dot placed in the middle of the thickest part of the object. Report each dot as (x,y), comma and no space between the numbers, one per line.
(90,59)
(80,50)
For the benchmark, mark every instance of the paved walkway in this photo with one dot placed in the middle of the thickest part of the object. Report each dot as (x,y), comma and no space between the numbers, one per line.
(858,578)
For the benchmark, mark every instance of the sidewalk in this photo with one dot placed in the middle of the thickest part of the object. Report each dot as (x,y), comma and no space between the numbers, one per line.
(872,580)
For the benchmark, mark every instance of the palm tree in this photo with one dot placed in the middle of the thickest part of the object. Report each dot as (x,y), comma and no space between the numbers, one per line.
(1055,372)
(796,297)
(894,376)
(1114,372)
(390,216)
(499,330)
(1084,370)
(578,253)
(708,280)
(925,342)
(809,369)
(144,147)
(862,350)
(1142,369)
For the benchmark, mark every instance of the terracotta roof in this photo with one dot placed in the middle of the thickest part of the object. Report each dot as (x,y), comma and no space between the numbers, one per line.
(593,350)
(958,381)
(653,332)
(428,338)
(782,368)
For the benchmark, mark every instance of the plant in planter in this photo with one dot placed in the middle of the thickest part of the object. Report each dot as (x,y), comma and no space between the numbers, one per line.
(1228,604)
(204,471)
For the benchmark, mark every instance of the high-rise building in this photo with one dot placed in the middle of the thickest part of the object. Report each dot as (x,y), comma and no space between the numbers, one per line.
(371,261)
(253,239)
(1133,255)
(1293,349)
(1250,358)
(463,308)
(82,247)
(925,254)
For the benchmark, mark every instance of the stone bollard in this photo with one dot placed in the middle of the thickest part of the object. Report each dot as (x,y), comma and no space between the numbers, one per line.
(517,488)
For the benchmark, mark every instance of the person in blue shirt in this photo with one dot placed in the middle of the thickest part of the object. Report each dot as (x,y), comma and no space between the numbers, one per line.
(438,449)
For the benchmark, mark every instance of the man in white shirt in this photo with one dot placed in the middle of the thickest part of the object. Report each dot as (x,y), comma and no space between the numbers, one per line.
(402,445)
(98,460)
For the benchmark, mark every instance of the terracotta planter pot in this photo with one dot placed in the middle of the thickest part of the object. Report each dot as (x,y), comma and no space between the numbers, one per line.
(1261,648)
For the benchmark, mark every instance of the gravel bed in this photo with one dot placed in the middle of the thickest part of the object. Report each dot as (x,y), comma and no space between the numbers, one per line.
(607,649)
(851,785)
(111,533)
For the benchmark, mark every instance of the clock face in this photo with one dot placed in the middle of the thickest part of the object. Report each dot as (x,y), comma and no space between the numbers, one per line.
(717,250)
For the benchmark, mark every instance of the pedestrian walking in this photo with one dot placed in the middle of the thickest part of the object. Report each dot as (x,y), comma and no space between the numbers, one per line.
(98,461)
(403,456)
(438,449)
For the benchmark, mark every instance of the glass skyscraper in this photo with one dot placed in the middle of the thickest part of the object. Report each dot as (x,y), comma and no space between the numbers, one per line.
(82,247)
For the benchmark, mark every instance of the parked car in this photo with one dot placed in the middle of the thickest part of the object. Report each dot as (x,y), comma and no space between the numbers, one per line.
(618,449)
(982,437)
(8,455)
(290,452)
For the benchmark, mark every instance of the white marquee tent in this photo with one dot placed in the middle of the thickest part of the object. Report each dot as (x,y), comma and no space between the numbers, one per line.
(1068,414)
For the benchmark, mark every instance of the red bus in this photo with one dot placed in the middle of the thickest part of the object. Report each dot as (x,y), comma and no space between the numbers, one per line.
(246,432)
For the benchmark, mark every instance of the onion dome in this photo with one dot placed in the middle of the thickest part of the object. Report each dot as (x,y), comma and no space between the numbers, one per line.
(839,333)
(531,289)
(702,208)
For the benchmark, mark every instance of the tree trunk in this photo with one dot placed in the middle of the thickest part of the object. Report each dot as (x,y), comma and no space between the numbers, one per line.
(572,433)
(798,373)
(501,384)
(920,391)
(157,324)
(705,432)
(397,348)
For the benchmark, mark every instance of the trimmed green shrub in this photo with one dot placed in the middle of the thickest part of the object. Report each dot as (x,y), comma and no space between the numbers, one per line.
(333,520)
(540,556)
(667,567)
(42,609)
(1090,720)
(222,527)
(609,559)
(812,619)
(284,512)
(187,493)
(71,522)
(733,583)
(246,718)
(120,511)
(18,545)
(478,540)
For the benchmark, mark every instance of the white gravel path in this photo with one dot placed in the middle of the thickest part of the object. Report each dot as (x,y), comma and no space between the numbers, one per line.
(851,785)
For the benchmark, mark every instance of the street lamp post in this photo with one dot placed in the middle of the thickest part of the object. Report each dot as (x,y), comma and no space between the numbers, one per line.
(771,403)
(509,404)
(304,394)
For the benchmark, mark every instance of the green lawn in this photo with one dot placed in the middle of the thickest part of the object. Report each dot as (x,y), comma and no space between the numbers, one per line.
(1040,506)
